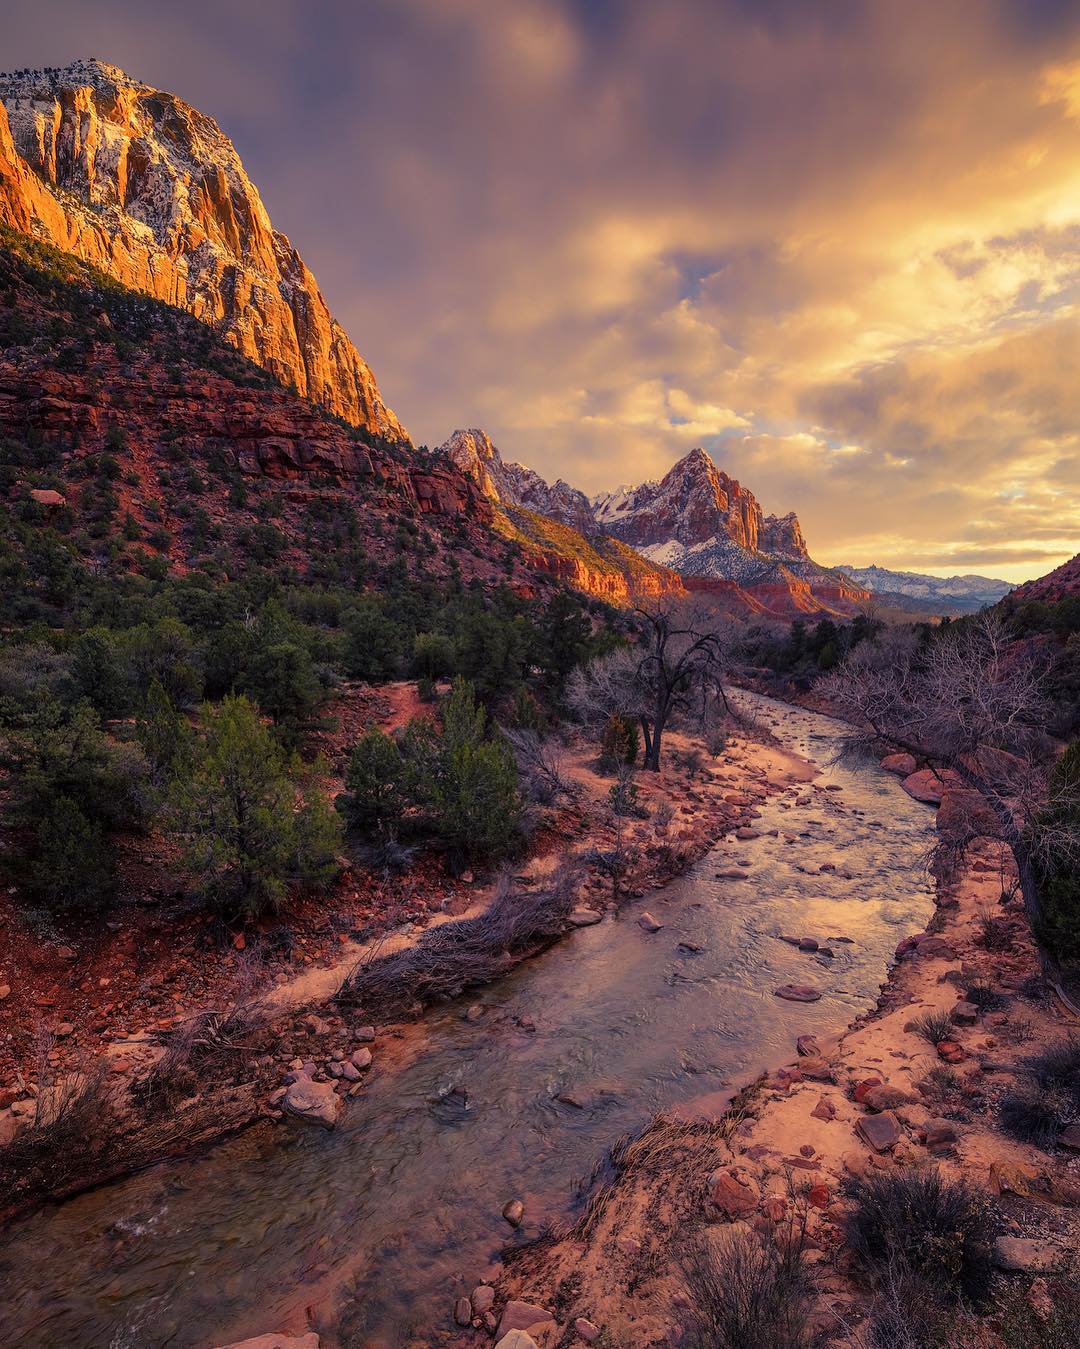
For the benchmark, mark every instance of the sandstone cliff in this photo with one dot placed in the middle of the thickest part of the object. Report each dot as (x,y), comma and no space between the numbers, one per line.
(152,191)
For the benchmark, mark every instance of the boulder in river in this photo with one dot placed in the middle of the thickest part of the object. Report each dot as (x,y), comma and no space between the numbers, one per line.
(930,786)
(797,993)
(519,1315)
(902,764)
(315,1102)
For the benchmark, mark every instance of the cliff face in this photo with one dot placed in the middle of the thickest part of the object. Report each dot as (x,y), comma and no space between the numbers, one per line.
(152,191)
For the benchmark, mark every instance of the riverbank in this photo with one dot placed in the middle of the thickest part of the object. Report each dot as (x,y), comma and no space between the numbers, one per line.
(879,1097)
(200,1045)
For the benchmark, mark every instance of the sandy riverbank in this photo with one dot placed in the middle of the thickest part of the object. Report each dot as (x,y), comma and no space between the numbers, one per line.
(811,1124)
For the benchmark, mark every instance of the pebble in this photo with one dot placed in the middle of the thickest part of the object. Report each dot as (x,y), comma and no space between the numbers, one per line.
(514,1212)
(648,922)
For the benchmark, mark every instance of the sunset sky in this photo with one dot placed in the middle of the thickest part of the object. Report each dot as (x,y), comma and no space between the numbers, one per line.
(836,243)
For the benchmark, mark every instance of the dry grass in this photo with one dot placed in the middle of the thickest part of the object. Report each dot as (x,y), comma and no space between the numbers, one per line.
(455,956)
(745,1290)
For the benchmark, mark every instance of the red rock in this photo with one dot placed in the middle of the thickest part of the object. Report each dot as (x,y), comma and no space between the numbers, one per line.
(929,785)
(818,1195)
(880,1132)
(904,764)
(950,1051)
(522,1316)
(861,1088)
(797,993)
(824,1109)
(731,1197)
(883,1097)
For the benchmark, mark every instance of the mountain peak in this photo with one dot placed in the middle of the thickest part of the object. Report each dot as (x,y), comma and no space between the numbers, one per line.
(152,191)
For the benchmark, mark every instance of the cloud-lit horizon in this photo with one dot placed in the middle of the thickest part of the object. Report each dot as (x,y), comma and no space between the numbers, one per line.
(837,244)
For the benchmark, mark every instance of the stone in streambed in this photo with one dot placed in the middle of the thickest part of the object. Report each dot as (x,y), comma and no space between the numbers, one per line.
(523,1316)
(584,917)
(513,1212)
(807,1046)
(463,1311)
(797,993)
(647,922)
(315,1102)
(482,1299)
(516,1339)
(901,764)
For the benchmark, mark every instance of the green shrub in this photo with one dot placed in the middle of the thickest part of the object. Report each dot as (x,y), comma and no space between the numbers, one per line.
(375,784)
(1058,926)
(245,840)
(621,740)
(72,866)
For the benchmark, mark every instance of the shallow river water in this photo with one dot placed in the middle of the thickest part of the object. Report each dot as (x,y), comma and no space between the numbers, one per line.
(368,1234)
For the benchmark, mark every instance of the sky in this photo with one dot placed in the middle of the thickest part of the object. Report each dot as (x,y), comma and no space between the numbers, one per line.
(835,243)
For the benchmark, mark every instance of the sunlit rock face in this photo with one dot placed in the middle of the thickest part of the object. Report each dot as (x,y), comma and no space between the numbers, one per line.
(711,530)
(152,191)
(554,525)
(514,484)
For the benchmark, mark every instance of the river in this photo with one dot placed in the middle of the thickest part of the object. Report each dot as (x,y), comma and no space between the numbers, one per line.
(368,1234)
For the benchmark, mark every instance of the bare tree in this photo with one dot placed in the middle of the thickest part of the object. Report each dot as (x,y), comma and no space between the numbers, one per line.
(680,659)
(542,767)
(970,702)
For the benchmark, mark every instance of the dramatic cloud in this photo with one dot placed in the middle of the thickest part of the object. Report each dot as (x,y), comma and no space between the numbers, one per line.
(837,243)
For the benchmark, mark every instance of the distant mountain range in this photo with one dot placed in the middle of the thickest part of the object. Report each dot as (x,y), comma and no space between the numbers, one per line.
(696,521)
(913,590)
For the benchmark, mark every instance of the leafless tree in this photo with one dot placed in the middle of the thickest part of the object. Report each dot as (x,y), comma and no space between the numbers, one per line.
(680,659)
(541,765)
(971,702)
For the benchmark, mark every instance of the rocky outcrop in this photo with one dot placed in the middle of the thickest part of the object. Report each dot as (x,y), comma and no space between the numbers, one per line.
(712,530)
(1060,584)
(152,191)
(553,525)
(515,485)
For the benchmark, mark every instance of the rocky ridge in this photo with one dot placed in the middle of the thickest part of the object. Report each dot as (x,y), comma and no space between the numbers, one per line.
(554,527)
(151,190)
(1060,584)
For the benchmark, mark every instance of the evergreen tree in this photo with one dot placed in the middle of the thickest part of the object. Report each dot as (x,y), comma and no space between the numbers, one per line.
(246,840)
(375,783)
